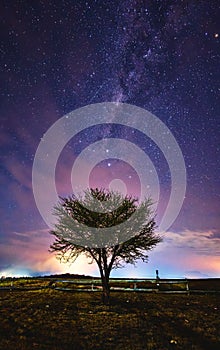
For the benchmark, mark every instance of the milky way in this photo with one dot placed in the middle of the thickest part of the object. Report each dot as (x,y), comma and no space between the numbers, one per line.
(57,56)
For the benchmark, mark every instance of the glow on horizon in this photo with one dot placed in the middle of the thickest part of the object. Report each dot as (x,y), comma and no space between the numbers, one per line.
(14,273)
(183,254)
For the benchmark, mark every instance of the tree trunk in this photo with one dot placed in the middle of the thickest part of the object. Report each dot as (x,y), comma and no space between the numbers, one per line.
(104,273)
(105,290)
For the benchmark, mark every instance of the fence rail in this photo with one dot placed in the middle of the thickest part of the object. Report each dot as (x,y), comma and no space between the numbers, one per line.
(127,285)
(177,285)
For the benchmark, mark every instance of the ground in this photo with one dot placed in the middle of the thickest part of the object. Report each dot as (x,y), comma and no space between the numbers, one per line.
(56,320)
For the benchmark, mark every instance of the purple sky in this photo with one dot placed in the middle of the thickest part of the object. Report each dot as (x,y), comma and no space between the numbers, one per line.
(57,56)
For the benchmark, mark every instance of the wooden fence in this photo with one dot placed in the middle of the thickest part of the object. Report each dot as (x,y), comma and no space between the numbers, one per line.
(157,285)
(126,285)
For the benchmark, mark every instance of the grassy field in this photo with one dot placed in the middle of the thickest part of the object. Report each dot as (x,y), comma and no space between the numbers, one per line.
(54,320)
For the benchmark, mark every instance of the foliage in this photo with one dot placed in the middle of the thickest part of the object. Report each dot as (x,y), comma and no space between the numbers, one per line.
(106,227)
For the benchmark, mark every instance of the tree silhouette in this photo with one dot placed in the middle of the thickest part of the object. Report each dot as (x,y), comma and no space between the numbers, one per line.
(107,227)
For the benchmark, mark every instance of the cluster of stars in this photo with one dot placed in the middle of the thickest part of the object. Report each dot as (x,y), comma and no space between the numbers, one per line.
(159,55)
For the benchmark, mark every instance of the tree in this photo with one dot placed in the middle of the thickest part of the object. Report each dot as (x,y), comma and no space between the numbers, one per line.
(105,226)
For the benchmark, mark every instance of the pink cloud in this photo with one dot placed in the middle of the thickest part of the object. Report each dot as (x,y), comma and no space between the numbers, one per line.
(29,250)
(188,251)
(179,254)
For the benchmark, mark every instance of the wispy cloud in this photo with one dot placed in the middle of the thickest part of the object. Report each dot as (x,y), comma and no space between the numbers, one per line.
(27,253)
(185,251)
(199,242)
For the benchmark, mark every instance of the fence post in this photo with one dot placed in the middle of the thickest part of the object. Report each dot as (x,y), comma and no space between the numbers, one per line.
(187,287)
(157,280)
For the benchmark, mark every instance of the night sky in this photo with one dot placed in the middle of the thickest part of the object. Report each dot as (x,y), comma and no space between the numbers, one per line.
(163,56)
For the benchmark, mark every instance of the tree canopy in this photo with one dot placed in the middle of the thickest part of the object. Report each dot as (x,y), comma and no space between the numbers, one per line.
(107,227)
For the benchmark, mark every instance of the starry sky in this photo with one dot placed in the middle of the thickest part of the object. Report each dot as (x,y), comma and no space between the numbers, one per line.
(57,56)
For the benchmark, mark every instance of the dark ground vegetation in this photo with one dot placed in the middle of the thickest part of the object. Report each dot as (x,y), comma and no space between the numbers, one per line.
(54,320)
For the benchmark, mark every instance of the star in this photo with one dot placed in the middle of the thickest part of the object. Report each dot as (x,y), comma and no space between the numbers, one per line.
(158,55)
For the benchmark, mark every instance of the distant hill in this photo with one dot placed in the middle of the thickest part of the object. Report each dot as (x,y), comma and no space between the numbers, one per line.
(68,276)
